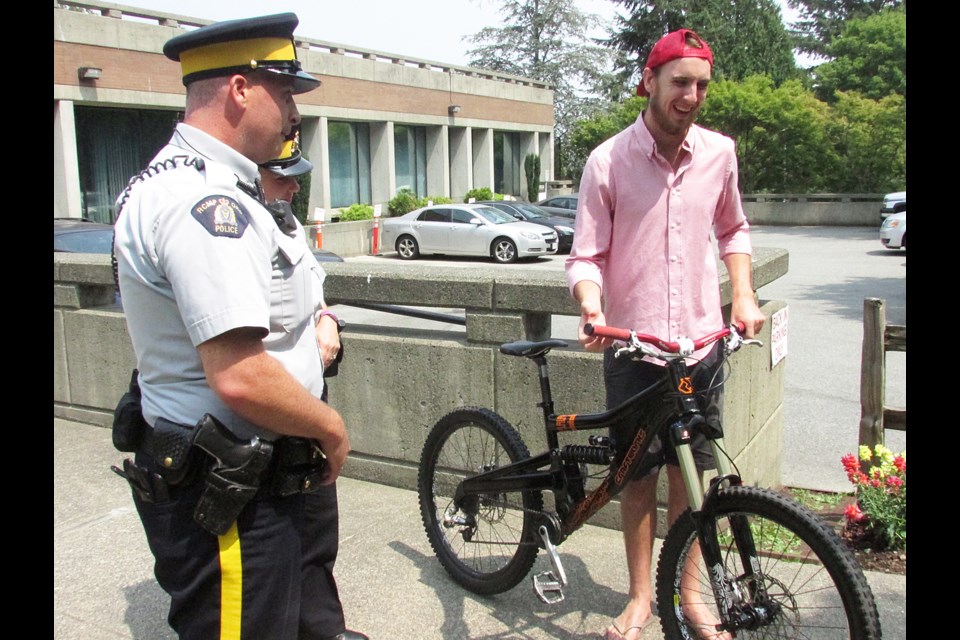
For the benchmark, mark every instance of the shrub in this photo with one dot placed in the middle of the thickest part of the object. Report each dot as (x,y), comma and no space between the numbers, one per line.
(422,202)
(404,202)
(531,167)
(483,193)
(356,212)
(881,504)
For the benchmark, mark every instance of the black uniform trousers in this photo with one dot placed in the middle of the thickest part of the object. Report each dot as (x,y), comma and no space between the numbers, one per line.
(269,576)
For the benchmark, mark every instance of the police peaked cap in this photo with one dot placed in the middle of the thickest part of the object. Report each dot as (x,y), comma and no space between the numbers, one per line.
(224,48)
(290,162)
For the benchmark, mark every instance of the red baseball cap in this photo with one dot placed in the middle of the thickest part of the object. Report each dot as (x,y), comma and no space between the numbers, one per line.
(672,46)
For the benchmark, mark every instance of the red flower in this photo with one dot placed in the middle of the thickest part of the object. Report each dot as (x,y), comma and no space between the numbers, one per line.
(900,464)
(853,513)
(894,482)
(850,463)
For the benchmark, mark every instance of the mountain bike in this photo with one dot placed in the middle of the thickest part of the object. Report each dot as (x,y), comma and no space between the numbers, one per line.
(770,567)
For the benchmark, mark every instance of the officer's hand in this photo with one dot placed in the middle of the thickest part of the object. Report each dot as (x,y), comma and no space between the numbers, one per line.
(328,340)
(336,446)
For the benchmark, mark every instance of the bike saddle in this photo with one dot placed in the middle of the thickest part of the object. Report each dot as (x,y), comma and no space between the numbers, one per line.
(531,349)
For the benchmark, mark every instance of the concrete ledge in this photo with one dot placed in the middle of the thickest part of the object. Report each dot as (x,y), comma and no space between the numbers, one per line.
(395,383)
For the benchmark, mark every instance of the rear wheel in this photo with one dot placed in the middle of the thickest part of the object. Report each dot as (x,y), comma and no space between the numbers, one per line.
(806,584)
(488,544)
(408,248)
(504,250)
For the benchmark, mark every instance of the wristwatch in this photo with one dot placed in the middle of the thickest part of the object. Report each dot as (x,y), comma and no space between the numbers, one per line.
(340,323)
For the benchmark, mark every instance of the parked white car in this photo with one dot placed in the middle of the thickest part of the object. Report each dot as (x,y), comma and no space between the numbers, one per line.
(893,231)
(467,229)
(893,203)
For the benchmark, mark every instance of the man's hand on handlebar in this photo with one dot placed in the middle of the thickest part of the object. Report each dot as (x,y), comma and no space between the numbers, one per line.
(745,311)
(590,313)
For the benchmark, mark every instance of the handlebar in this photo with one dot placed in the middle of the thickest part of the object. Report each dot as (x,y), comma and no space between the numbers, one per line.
(683,346)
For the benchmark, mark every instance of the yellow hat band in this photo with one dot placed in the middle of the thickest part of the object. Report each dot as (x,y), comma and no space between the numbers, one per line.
(239,53)
(287,151)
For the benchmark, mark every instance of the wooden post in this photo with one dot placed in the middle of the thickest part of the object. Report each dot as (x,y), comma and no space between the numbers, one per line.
(872,373)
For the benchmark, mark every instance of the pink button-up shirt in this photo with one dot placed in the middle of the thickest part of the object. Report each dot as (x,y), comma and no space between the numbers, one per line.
(643,231)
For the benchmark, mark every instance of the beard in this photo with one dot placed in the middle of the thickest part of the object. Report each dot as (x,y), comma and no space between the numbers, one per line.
(667,119)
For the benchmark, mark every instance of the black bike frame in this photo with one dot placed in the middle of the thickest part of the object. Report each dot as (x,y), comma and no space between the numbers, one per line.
(557,470)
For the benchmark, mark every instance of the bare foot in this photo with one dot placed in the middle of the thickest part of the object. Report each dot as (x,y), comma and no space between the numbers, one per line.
(615,632)
(701,620)
(630,623)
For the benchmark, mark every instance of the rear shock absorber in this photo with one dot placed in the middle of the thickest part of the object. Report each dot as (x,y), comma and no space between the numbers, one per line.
(586,454)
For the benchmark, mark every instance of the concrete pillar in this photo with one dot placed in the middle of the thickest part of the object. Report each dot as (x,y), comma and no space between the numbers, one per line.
(482,158)
(545,142)
(67,201)
(314,141)
(461,161)
(383,174)
(438,165)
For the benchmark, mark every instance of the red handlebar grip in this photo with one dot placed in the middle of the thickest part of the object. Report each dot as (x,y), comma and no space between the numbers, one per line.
(606,332)
(740,327)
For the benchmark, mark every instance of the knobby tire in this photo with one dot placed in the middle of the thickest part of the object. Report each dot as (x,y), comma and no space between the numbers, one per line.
(493,544)
(810,575)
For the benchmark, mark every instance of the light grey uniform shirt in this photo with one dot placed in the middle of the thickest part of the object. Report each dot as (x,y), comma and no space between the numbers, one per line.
(197,256)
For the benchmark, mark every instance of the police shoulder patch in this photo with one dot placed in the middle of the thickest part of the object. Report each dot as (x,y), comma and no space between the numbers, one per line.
(221,216)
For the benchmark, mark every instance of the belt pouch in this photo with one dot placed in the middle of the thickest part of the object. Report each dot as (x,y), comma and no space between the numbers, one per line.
(171,445)
(129,426)
(299,467)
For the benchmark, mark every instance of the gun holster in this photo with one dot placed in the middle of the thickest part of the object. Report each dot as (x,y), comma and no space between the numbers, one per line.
(238,469)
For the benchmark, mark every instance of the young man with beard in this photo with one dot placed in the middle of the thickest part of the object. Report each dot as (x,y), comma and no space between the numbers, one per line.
(643,259)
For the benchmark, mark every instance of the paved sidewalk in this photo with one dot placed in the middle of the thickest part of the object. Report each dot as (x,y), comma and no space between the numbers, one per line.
(391,584)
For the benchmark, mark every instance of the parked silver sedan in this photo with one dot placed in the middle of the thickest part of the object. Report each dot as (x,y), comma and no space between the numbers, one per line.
(467,229)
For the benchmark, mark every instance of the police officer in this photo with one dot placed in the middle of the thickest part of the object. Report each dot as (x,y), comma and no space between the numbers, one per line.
(279,180)
(223,306)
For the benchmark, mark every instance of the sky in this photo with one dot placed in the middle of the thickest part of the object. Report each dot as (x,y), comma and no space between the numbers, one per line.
(427,29)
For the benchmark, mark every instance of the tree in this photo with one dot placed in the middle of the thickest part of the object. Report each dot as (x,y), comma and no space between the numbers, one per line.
(546,40)
(747,37)
(820,21)
(780,133)
(787,140)
(869,56)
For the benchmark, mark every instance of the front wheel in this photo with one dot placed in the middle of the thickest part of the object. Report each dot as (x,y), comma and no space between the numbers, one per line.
(504,250)
(806,582)
(488,544)
(408,248)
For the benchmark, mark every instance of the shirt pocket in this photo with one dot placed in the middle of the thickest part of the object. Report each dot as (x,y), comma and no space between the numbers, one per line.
(290,290)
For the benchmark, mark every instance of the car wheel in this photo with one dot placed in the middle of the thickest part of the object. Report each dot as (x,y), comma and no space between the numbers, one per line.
(504,250)
(903,242)
(407,248)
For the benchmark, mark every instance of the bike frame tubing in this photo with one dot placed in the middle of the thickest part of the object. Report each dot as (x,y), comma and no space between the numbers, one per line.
(544,472)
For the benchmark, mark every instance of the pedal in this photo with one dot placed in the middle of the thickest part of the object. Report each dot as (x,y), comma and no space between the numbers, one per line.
(549,584)
(548,588)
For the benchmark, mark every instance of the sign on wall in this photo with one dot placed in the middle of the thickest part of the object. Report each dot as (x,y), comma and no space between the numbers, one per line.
(778,336)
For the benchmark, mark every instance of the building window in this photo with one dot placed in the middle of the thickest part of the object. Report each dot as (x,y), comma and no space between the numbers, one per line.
(410,158)
(506,163)
(112,146)
(348,144)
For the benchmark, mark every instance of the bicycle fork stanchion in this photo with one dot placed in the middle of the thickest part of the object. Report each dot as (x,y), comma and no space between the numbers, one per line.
(549,584)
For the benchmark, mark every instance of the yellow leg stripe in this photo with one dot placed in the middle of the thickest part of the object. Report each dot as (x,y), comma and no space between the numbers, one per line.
(231,584)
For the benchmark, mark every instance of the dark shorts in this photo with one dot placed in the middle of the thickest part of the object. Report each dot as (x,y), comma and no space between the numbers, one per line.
(625,378)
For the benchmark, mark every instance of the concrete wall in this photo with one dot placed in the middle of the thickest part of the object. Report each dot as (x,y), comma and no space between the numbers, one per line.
(805,210)
(394,384)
